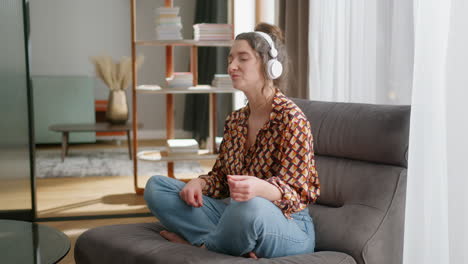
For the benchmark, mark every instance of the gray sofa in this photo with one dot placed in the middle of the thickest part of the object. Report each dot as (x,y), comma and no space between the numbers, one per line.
(361,154)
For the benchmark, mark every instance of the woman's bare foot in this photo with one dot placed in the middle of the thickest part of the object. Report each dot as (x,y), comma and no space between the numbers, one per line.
(173,237)
(250,255)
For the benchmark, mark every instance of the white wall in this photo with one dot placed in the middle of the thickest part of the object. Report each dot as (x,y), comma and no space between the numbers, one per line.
(244,21)
(65,33)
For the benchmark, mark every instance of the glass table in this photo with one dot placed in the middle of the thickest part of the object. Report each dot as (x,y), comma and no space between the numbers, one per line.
(25,242)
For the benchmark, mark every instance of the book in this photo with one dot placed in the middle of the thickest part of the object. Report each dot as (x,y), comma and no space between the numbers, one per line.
(222,81)
(182,146)
(168,23)
(150,155)
(149,87)
(172,20)
(167,10)
(208,31)
(180,80)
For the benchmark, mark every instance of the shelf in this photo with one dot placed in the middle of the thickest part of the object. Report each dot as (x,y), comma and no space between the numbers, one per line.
(185,42)
(163,156)
(199,89)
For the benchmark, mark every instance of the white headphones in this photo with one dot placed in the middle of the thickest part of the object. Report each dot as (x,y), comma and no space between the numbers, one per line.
(274,68)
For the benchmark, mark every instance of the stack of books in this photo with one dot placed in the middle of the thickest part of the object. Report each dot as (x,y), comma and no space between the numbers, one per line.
(222,81)
(168,23)
(182,146)
(206,31)
(180,80)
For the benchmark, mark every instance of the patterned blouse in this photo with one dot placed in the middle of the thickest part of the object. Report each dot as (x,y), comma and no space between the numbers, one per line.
(281,155)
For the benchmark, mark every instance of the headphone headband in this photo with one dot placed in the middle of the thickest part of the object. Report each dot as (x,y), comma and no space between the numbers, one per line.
(273,52)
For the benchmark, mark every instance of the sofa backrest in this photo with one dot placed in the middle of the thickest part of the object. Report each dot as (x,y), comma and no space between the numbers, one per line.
(361,158)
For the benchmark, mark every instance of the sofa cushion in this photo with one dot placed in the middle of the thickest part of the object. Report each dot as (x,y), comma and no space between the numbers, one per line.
(141,243)
(376,133)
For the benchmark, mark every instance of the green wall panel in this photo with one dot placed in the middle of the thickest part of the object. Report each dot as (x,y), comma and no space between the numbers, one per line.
(62,100)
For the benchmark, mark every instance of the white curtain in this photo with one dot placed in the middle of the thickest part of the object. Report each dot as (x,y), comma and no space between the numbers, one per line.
(361,51)
(436,228)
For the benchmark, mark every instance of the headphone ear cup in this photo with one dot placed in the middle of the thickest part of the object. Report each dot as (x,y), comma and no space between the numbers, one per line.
(274,69)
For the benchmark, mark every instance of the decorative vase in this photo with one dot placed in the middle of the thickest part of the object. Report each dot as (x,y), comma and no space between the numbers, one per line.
(117,108)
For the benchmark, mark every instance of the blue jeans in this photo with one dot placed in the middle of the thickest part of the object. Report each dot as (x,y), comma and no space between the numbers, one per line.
(235,228)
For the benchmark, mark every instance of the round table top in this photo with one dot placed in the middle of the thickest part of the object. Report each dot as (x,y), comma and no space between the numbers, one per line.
(26,242)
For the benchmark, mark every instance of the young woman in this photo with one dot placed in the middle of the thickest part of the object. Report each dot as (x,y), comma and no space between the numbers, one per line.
(265,165)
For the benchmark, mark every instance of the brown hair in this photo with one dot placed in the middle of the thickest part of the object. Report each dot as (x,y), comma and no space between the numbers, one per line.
(262,47)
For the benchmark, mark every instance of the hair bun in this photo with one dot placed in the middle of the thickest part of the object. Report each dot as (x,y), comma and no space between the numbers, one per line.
(274,31)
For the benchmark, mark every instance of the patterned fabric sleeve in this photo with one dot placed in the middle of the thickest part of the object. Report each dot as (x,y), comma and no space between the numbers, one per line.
(297,180)
(216,181)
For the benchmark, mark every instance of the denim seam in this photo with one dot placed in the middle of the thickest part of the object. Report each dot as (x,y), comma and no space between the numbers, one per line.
(210,247)
(216,249)
(287,238)
(199,242)
(306,232)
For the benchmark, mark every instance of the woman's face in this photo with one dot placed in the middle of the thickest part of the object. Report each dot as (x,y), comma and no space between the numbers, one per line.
(244,67)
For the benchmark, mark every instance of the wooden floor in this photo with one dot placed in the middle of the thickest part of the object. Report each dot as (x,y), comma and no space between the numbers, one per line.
(103,195)
(63,197)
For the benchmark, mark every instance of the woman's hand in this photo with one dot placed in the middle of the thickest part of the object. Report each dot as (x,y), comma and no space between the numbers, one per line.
(192,192)
(243,188)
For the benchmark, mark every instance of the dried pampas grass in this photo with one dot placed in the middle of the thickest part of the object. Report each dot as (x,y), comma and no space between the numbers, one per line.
(116,76)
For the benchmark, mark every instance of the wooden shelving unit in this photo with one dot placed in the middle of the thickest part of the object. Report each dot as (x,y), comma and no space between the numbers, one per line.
(209,153)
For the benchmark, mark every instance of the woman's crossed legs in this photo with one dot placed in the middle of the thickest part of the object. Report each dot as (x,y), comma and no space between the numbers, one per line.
(236,228)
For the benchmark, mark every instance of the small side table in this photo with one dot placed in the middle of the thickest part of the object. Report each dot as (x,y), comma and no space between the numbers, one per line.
(66,129)
(25,242)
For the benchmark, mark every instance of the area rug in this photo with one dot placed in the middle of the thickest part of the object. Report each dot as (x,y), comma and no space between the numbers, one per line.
(104,162)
